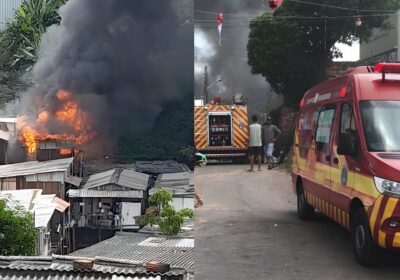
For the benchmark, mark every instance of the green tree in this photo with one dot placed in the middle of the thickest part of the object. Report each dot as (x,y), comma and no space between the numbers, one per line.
(170,138)
(21,39)
(17,232)
(294,48)
(164,215)
(19,43)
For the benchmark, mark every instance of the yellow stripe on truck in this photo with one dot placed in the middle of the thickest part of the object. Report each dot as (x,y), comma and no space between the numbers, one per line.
(391,204)
(375,213)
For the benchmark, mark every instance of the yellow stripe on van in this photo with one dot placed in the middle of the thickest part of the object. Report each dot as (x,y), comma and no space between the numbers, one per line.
(375,213)
(382,237)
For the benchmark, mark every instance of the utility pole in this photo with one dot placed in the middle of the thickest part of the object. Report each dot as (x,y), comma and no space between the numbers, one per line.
(205,85)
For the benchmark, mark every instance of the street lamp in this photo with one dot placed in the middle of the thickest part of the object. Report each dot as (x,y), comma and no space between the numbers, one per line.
(206,91)
(217,81)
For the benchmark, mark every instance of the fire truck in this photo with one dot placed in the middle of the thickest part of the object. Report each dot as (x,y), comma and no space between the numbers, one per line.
(221,130)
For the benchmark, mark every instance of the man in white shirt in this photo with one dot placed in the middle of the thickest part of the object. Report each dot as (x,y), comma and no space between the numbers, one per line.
(255,144)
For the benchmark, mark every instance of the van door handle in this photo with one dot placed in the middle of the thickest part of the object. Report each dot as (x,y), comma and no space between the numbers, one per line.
(328,158)
(336,160)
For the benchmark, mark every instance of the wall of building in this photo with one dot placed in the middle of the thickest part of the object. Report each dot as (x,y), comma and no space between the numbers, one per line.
(7,8)
(383,45)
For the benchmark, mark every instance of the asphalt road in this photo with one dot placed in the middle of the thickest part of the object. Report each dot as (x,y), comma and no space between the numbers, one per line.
(248,229)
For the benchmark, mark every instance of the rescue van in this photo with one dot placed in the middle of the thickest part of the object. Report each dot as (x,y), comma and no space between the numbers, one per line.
(221,130)
(346,156)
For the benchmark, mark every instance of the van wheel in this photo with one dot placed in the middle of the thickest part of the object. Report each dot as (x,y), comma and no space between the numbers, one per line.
(366,251)
(304,210)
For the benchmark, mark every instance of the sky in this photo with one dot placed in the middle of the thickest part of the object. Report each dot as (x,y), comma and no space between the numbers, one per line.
(350,53)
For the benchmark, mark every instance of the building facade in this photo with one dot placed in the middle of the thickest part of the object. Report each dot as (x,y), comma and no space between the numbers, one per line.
(383,46)
(7,10)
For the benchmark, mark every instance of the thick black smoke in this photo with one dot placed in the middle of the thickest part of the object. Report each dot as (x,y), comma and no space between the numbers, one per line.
(123,60)
(230,60)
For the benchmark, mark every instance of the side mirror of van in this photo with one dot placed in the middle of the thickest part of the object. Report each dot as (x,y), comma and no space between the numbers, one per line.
(347,144)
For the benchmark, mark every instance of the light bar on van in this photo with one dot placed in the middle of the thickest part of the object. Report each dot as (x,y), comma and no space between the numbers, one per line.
(387,186)
(387,68)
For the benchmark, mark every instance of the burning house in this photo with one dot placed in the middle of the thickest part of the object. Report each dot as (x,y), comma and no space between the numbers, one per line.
(55,132)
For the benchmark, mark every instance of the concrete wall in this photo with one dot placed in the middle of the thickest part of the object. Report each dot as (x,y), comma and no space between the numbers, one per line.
(383,45)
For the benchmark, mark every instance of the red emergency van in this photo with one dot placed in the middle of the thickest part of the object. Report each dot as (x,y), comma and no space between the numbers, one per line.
(346,156)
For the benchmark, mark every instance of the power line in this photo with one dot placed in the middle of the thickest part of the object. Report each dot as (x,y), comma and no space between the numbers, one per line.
(303,17)
(297,19)
(337,7)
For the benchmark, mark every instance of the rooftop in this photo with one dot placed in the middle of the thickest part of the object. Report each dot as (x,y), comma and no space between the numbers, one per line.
(35,167)
(118,176)
(121,257)
(61,267)
(142,248)
(158,167)
(176,183)
(116,182)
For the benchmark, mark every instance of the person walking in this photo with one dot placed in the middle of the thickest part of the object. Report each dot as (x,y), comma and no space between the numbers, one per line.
(255,150)
(270,133)
(197,197)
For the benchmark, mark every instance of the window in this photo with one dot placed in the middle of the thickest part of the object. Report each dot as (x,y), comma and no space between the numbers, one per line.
(347,121)
(324,125)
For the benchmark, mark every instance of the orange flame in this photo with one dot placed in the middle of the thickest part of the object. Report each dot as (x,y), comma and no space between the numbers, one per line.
(68,114)
(65,152)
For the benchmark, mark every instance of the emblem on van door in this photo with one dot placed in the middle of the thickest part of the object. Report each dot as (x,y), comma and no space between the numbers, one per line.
(344,176)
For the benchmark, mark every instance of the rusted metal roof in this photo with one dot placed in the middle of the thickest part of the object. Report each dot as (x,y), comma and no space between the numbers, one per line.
(35,167)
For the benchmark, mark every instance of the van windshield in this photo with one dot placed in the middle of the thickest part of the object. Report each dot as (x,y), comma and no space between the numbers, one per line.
(381,127)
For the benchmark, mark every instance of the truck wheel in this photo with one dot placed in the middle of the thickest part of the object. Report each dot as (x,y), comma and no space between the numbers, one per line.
(304,210)
(366,251)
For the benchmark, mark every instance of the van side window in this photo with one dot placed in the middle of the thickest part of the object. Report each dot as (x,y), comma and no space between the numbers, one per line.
(347,121)
(324,127)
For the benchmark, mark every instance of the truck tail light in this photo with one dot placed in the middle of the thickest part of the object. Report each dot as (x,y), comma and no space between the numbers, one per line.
(302,102)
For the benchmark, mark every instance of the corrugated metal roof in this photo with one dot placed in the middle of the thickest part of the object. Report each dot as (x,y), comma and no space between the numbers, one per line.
(177,183)
(96,193)
(8,274)
(118,176)
(73,180)
(35,167)
(158,167)
(61,267)
(142,248)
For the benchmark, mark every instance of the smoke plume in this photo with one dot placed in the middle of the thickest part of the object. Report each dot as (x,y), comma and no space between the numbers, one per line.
(121,60)
(229,61)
